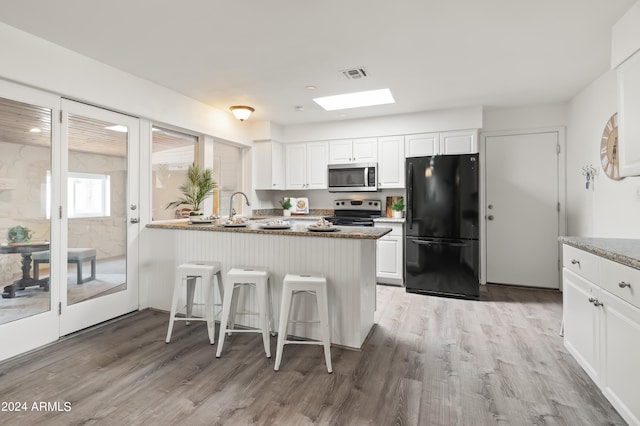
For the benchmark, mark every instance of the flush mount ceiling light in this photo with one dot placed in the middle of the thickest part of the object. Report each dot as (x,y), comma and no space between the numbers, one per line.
(356,100)
(241,112)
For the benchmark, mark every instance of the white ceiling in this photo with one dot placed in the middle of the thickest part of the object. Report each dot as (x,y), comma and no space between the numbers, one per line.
(432,54)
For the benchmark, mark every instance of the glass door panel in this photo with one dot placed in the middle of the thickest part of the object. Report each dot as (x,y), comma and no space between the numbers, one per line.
(27,137)
(96,208)
(25,143)
(98,205)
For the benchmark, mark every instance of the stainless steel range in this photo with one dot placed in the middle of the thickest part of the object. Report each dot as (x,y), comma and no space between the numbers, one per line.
(355,212)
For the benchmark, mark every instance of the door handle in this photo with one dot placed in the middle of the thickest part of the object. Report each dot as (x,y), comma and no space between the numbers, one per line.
(490,217)
(134,220)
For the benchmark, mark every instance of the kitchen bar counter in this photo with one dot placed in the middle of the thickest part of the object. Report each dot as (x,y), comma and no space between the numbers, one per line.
(347,258)
(297,229)
(622,250)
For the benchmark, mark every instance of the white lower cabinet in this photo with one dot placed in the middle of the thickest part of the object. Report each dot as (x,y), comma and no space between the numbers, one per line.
(601,304)
(581,322)
(390,255)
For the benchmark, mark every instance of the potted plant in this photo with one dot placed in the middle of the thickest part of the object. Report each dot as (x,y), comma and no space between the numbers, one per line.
(285,203)
(397,206)
(19,234)
(198,187)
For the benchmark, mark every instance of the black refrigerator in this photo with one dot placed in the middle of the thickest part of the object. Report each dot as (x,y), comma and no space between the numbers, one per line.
(442,228)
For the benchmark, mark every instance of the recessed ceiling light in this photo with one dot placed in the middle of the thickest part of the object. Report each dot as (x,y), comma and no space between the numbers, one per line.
(310,87)
(118,128)
(356,100)
(35,130)
(299,108)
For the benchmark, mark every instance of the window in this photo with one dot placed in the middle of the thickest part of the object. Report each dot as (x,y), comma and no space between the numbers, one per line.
(228,174)
(88,195)
(171,155)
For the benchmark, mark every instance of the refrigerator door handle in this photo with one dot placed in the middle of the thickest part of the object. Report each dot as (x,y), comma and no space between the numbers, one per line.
(410,197)
(438,243)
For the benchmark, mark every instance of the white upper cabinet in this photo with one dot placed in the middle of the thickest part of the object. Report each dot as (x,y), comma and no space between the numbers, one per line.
(391,162)
(340,151)
(628,113)
(295,155)
(363,150)
(269,170)
(422,145)
(317,160)
(459,142)
(306,165)
(442,143)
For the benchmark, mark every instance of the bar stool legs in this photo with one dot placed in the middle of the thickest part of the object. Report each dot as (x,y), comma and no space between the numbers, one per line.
(292,285)
(259,279)
(189,273)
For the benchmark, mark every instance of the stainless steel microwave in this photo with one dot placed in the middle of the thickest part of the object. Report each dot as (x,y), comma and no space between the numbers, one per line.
(355,177)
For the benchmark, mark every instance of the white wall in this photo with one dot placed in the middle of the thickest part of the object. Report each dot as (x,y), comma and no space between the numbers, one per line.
(38,63)
(611,208)
(530,117)
(423,122)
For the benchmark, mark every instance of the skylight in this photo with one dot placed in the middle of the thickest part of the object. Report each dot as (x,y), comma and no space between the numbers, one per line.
(356,100)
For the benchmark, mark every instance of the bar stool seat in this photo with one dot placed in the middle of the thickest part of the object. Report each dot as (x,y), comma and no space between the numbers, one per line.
(294,284)
(190,272)
(258,278)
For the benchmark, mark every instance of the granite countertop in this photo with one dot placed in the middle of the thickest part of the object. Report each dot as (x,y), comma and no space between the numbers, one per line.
(390,220)
(622,250)
(300,230)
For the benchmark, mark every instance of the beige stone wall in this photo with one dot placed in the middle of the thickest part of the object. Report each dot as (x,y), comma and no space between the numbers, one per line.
(27,166)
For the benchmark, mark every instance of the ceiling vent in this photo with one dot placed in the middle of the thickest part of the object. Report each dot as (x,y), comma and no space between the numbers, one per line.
(355,73)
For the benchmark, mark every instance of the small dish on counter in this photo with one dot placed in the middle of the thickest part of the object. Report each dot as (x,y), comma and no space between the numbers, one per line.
(275,227)
(198,220)
(322,228)
(236,222)
(276,224)
(322,225)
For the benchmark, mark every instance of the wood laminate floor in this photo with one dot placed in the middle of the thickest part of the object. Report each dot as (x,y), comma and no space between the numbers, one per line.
(429,361)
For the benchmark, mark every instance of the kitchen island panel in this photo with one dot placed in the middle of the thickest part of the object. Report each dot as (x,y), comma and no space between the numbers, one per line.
(348,264)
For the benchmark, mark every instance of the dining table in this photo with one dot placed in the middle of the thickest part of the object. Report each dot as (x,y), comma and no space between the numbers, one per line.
(25,250)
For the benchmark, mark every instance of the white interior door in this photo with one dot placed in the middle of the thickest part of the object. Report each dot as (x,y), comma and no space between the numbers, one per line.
(521,209)
(100,215)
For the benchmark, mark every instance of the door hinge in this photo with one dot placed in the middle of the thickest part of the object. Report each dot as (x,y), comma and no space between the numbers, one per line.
(59,212)
(558,207)
(60,116)
(59,308)
(558,148)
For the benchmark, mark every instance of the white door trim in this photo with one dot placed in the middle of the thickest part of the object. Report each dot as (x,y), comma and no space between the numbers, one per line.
(562,185)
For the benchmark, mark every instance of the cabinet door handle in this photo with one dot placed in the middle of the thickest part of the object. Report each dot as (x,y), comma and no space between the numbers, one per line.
(575,262)
(595,301)
(623,284)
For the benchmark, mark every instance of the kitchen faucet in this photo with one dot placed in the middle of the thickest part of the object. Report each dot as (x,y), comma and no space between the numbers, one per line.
(231,202)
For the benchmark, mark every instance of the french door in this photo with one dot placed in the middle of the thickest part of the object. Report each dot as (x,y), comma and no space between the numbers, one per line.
(99,217)
(69,217)
(29,137)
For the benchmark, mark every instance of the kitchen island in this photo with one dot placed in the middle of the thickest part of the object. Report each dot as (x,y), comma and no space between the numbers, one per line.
(346,257)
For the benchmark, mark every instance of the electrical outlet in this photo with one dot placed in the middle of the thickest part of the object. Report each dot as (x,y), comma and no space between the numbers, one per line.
(638,194)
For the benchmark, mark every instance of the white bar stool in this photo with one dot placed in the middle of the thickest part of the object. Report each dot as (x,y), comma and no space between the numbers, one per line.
(190,272)
(258,278)
(294,284)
